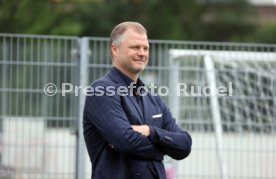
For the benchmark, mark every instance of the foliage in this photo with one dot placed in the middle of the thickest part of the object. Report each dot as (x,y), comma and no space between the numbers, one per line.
(229,20)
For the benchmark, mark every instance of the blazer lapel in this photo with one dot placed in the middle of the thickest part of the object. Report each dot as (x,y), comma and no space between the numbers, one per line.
(120,82)
(134,101)
(147,107)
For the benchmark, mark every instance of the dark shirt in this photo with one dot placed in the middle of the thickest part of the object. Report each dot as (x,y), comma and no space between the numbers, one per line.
(136,86)
(150,170)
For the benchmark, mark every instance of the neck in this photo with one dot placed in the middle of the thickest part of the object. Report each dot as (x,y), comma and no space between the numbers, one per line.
(132,76)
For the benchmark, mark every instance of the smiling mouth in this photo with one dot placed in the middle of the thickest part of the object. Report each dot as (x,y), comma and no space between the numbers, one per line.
(139,61)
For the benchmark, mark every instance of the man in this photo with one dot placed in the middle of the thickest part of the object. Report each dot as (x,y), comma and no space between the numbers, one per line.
(127,132)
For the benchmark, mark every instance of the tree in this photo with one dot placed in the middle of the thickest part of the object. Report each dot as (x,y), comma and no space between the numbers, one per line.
(38,17)
(201,20)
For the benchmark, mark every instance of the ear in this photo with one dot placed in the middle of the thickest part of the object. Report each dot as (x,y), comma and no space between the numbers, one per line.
(114,50)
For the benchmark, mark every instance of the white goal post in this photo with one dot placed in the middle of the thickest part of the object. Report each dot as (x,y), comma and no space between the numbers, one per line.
(250,107)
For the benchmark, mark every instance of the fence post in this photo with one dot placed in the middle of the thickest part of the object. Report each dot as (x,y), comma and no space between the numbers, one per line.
(83,79)
(210,71)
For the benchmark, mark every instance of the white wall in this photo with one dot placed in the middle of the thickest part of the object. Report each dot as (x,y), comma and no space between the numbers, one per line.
(246,155)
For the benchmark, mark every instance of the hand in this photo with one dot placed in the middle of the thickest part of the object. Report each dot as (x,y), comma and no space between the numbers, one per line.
(143,129)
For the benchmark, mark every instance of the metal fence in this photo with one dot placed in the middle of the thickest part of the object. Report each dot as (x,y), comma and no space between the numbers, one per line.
(224,94)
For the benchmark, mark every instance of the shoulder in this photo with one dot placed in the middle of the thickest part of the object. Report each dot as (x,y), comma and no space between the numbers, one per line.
(103,87)
(103,81)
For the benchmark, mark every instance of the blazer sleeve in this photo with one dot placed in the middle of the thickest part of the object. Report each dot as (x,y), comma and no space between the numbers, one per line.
(171,139)
(107,115)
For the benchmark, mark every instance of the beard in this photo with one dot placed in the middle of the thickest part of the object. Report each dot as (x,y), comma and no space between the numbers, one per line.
(133,68)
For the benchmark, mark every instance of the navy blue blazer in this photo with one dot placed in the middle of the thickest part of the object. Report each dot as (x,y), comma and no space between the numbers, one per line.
(115,149)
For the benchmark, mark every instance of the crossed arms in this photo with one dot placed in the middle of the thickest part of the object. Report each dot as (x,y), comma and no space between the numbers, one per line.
(141,141)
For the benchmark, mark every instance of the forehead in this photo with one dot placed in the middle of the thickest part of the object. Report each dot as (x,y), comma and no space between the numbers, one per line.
(133,37)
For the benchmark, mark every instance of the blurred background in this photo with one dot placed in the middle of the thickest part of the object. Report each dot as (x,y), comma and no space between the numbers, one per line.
(229,43)
(195,20)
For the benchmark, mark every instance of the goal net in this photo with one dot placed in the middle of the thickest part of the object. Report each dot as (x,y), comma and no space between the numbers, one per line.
(233,132)
(250,80)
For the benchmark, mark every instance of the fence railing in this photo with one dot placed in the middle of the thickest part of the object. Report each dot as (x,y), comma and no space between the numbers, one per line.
(224,94)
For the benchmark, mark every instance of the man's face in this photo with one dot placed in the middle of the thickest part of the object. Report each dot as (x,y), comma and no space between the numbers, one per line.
(131,55)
